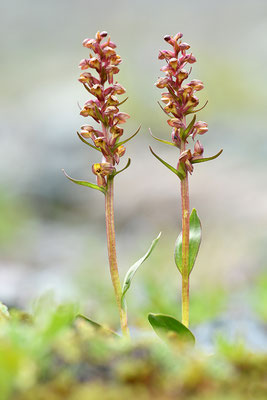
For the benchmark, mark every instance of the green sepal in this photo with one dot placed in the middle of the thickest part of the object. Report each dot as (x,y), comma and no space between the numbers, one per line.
(88,144)
(184,133)
(194,243)
(97,326)
(126,140)
(123,169)
(85,183)
(171,330)
(180,173)
(132,270)
(161,140)
(199,160)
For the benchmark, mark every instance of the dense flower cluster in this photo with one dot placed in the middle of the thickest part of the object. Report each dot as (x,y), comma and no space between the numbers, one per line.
(104,108)
(180,98)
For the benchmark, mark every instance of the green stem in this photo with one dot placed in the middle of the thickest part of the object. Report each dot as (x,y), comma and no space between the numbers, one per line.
(110,227)
(185,245)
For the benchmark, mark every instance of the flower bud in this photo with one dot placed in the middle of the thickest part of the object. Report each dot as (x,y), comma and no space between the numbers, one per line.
(198,149)
(184,46)
(167,38)
(178,36)
(103,34)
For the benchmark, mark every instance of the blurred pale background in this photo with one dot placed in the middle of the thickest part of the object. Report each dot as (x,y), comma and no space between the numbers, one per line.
(52,233)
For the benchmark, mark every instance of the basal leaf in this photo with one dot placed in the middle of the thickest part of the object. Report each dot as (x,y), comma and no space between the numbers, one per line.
(199,160)
(171,330)
(179,173)
(132,270)
(97,326)
(194,243)
(85,183)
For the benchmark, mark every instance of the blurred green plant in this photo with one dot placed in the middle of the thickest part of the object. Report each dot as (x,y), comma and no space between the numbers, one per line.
(55,354)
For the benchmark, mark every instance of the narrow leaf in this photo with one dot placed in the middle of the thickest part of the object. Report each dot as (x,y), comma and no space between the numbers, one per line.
(127,140)
(171,330)
(96,325)
(123,101)
(199,160)
(123,169)
(174,170)
(85,183)
(199,109)
(163,109)
(88,144)
(99,115)
(161,140)
(185,133)
(132,270)
(194,243)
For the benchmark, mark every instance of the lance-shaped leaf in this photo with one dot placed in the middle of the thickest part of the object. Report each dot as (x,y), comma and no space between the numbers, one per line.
(131,272)
(161,140)
(184,133)
(123,169)
(194,243)
(199,109)
(127,140)
(199,160)
(97,326)
(88,144)
(180,173)
(163,109)
(123,101)
(171,330)
(85,183)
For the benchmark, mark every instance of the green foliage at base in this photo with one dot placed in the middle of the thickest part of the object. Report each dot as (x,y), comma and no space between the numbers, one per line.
(52,354)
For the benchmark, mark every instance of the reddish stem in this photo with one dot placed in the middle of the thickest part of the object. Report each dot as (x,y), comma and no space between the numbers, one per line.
(111,242)
(185,244)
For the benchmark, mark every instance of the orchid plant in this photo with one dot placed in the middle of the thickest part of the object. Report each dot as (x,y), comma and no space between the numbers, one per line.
(181,102)
(106,138)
